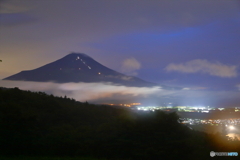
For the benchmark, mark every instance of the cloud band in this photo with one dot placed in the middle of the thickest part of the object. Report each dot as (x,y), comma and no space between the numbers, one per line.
(204,66)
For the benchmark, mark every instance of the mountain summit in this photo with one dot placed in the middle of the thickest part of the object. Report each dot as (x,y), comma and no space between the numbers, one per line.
(78,67)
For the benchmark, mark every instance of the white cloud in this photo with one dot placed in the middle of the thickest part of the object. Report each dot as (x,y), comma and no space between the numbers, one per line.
(204,66)
(238,86)
(126,78)
(130,66)
(84,91)
(106,92)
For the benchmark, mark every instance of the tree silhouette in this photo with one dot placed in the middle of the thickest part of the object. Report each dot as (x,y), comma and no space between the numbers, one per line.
(56,126)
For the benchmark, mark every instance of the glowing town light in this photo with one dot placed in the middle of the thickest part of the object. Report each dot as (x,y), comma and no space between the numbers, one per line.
(231,127)
(99,73)
(79,68)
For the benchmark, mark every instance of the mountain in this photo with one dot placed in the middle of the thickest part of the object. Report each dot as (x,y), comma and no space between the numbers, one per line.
(78,67)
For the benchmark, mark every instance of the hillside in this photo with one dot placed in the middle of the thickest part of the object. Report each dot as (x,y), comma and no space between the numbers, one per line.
(37,124)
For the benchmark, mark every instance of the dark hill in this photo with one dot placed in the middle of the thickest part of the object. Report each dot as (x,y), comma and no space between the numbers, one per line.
(78,67)
(37,124)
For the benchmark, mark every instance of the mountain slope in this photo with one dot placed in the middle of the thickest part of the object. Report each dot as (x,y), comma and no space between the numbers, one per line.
(78,67)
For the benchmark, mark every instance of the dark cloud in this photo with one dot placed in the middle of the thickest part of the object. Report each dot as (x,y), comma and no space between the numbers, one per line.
(13,19)
(13,13)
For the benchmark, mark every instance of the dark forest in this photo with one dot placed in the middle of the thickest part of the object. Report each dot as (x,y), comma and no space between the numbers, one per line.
(37,124)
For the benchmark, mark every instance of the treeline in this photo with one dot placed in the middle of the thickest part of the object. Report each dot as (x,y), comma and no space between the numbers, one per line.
(37,124)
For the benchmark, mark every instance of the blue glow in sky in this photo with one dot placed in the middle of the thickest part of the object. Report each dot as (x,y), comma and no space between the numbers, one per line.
(184,43)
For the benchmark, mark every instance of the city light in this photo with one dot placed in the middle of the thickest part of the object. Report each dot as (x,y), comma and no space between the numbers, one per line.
(231,127)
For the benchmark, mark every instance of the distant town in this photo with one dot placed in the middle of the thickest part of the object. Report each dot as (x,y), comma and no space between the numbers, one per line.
(195,115)
(170,107)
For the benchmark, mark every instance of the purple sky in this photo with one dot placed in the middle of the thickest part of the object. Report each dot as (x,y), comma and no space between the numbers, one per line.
(193,44)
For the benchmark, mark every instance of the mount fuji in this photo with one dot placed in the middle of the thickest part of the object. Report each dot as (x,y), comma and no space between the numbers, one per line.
(78,67)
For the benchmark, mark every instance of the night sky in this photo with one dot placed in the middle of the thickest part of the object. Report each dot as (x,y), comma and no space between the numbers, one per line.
(192,44)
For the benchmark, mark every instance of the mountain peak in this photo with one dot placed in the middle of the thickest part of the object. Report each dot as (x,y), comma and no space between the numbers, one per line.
(77,67)
(78,54)
(75,55)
